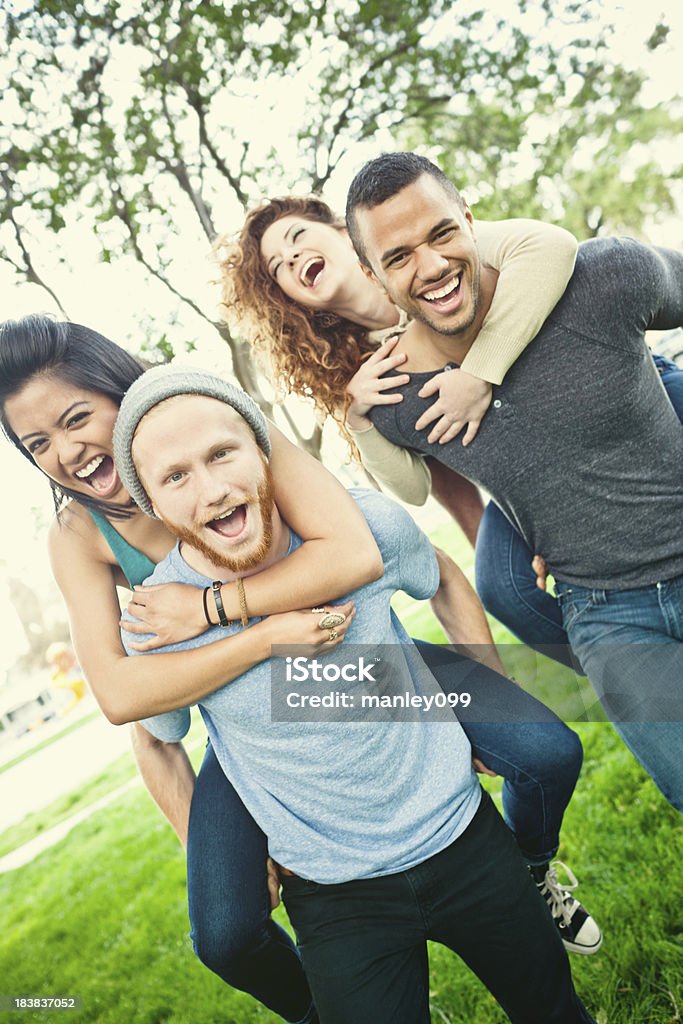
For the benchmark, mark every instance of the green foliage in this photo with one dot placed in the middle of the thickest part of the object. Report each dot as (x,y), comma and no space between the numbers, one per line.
(152,120)
(659,36)
(578,151)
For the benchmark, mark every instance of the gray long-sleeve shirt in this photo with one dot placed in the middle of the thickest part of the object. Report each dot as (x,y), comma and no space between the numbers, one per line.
(581,447)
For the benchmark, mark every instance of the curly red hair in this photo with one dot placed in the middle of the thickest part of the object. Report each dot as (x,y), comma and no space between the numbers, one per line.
(312,354)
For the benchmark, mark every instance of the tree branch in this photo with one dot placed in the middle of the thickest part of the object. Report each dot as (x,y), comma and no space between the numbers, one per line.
(195,102)
(343,118)
(123,213)
(180,173)
(310,444)
(29,269)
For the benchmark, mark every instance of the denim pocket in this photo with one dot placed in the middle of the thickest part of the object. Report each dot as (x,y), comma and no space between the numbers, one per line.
(574,602)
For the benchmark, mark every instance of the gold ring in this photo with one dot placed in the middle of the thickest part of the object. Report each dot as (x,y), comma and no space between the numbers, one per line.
(317,611)
(333,634)
(331,620)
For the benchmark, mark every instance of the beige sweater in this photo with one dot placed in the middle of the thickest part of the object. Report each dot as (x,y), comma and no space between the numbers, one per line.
(535,262)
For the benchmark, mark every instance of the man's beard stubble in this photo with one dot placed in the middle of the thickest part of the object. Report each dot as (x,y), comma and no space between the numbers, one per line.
(264,502)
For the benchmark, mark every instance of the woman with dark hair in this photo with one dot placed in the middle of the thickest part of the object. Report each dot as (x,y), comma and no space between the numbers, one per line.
(60,389)
(42,347)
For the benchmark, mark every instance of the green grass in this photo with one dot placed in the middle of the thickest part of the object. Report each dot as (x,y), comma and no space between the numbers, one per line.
(102,915)
(625,844)
(38,822)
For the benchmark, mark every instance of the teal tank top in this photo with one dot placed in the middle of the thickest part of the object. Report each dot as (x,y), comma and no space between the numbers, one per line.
(136,567)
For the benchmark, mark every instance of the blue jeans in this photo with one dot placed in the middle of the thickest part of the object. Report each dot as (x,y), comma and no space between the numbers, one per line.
(630,643)
(364,942)
(232,933)
(507,588)
(505,581)
(672,379)
(538,756)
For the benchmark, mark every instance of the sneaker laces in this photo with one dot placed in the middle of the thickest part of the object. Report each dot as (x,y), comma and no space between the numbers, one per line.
(558,895)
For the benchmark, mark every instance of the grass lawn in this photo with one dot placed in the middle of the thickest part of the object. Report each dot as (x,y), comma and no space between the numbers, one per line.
(102,915)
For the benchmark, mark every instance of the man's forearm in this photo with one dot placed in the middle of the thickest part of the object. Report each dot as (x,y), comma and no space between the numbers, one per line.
(460,612)
(168,775)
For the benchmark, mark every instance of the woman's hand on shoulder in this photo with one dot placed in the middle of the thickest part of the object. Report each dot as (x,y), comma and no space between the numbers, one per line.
(368,384)
(463,401)
(173,612)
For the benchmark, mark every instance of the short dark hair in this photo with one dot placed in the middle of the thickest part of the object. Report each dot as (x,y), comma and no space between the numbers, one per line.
(381,179)
(36,346)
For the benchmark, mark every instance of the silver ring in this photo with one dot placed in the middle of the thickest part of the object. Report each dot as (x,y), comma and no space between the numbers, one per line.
(334,634)
(317,611)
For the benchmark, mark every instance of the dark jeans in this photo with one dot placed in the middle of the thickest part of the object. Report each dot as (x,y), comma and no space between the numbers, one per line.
(364,943)
(507,588)
(232,933)
(504,578)
(538,756)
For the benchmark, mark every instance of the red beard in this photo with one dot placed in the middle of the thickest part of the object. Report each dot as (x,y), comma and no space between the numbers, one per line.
(196,537)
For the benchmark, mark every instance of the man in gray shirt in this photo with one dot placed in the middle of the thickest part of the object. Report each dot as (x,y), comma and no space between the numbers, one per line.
(581,448)
(391,837)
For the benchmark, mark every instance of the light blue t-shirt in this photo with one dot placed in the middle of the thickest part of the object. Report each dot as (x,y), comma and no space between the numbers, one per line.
(342,799)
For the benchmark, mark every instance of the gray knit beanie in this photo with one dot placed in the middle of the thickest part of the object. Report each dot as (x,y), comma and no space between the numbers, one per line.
(164,382)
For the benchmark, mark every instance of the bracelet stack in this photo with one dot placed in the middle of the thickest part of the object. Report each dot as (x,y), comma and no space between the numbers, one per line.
(222,617)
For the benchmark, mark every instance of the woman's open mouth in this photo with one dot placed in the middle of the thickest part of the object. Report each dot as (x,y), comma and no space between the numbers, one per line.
(311,271)
(100,474)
